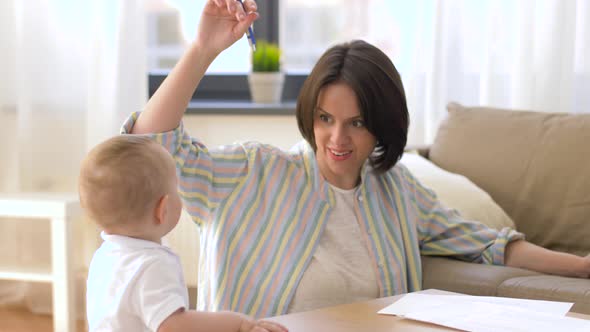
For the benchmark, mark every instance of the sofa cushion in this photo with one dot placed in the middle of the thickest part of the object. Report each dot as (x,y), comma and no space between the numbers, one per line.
(467,278)
(551,288)
(457,192)
(536,166)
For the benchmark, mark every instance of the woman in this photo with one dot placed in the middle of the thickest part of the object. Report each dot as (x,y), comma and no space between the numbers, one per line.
(334,219)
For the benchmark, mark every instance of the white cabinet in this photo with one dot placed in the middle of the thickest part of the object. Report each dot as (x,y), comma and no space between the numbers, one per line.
(60,210)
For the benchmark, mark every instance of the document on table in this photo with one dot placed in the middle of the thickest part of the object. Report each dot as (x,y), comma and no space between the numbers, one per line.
(483,314)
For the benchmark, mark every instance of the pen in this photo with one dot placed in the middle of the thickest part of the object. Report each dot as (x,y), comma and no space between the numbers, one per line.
(250,33)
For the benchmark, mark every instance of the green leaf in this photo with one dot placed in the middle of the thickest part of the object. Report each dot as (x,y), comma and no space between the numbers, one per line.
(267,57)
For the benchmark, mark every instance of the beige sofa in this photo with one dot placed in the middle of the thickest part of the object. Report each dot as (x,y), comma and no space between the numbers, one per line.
(536,166)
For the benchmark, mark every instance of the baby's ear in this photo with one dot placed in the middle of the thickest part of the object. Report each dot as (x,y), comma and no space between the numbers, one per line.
(161,209)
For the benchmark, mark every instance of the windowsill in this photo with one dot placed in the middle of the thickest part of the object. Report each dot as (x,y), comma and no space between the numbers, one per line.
(239,107)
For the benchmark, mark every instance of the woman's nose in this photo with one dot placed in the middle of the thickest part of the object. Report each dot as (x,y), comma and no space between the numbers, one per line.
(340,135)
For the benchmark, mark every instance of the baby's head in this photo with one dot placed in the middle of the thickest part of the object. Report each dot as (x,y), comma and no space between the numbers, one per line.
(128,183)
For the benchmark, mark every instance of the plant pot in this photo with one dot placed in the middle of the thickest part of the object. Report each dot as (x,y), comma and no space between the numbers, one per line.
(266,88)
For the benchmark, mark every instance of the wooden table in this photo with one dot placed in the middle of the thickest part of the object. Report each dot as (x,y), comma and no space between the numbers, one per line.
(363,316)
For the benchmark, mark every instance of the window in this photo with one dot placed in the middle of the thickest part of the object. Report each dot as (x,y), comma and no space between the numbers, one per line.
(303,28)
(172,25)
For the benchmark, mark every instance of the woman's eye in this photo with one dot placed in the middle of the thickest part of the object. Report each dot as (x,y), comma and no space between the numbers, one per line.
(324,118)
(358,123)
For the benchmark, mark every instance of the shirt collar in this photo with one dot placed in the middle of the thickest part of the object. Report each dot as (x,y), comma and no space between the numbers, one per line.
(123,241)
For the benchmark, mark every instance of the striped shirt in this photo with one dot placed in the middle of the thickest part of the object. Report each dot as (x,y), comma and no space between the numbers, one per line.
(261,211)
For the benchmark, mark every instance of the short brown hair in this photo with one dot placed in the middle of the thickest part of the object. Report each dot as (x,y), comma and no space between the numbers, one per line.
(121,179)
(379,90)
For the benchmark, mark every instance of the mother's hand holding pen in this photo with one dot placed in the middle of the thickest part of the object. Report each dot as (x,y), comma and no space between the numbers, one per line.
(223,22)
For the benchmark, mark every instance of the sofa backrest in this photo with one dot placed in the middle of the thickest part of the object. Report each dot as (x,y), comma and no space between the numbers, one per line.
(536,166)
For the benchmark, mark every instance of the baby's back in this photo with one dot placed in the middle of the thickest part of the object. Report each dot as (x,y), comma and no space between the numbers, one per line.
(133,285)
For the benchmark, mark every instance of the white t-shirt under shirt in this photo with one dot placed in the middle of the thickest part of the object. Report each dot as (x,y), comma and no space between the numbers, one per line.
(133,285)
(340,270)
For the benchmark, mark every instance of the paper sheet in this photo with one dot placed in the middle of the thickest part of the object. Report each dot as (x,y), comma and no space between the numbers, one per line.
(483,314)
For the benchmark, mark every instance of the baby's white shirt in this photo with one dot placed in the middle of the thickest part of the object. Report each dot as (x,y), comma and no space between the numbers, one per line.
(133,285)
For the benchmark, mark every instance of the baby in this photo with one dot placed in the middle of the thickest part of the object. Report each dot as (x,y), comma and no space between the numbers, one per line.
(128,186)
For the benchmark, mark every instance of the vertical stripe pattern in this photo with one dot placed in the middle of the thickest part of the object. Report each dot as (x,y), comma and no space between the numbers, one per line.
(261,213)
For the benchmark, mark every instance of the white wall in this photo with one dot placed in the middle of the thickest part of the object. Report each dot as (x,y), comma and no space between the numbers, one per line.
(279,130)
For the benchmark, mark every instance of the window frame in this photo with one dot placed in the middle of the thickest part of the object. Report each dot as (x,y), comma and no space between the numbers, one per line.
(234,87)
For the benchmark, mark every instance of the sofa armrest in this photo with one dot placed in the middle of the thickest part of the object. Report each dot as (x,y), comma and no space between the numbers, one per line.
(467,278)
(492,280)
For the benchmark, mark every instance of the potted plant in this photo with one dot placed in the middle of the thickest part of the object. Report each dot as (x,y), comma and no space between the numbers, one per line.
(266,78)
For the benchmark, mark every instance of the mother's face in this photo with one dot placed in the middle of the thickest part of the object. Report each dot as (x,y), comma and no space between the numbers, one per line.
(343,142)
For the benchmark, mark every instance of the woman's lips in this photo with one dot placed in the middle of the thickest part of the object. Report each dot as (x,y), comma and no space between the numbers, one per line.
(339,155)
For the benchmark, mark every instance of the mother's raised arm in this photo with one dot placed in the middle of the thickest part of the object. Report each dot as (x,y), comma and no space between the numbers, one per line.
(222,23)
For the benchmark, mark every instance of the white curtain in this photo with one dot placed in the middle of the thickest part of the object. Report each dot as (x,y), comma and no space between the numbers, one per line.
(526,54)
(71,72)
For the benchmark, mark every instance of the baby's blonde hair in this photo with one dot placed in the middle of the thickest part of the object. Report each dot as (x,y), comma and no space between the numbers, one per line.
(122,179)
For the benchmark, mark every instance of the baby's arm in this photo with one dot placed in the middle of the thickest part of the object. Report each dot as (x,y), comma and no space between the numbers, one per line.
(160,300)
(196,321)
